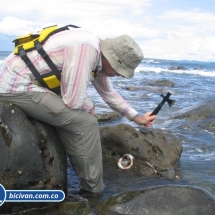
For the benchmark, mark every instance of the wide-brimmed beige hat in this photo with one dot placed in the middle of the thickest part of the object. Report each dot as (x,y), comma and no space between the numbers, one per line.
(123,54)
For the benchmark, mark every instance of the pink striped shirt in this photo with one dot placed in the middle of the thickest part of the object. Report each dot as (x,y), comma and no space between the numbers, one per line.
(77,53)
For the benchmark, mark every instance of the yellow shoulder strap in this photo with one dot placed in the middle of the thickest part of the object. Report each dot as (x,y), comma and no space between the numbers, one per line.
(45,32)
(27,41)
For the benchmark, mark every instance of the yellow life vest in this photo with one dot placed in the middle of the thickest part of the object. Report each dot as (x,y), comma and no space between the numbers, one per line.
(23,44)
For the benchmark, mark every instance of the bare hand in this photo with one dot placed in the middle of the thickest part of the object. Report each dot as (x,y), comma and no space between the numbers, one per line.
(145,119)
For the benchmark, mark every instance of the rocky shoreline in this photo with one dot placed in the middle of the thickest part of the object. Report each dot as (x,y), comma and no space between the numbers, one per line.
(155,152)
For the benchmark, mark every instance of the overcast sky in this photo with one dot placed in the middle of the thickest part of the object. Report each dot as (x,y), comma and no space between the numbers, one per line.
(164,29)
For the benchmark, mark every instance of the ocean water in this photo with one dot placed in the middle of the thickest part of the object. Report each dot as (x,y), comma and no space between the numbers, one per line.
(194,84)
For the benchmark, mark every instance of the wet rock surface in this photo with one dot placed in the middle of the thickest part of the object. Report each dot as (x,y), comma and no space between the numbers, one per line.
(73,205)
(156,200)
(177,68)
(160,200)
(161,83)
(152,86)
(154,151)
(201,116)
(156,155)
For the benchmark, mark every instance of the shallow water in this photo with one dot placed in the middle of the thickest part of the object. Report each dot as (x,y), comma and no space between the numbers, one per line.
(192,86)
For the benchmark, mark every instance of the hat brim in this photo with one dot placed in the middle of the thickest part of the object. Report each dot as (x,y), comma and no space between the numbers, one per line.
(110,55)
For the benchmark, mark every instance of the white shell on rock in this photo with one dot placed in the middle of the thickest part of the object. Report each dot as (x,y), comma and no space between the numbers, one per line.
(126,161)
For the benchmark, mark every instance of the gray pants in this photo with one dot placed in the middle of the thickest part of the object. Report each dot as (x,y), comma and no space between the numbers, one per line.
(78,130)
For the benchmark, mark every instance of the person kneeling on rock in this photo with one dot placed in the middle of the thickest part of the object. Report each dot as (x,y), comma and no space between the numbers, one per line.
(76,53)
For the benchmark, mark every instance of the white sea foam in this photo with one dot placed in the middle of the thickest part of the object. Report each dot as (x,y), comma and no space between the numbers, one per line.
(152,61)
(203,156)
(199,150)
(192,71)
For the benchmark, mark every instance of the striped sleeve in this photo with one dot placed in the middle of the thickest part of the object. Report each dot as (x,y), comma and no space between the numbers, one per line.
(112,98)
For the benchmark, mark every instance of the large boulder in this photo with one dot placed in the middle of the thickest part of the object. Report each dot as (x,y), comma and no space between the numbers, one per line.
(160,200)
(154,151)
(32,154)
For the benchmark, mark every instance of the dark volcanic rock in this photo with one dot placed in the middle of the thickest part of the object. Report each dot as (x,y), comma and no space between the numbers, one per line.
(32,155)
(161,200)
(154,152)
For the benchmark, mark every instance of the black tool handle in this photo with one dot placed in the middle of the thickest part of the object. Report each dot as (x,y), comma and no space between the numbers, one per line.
(157,109)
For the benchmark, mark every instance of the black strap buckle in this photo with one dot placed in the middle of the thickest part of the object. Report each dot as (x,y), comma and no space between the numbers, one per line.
(22,53)
(24,56)
(40,48)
